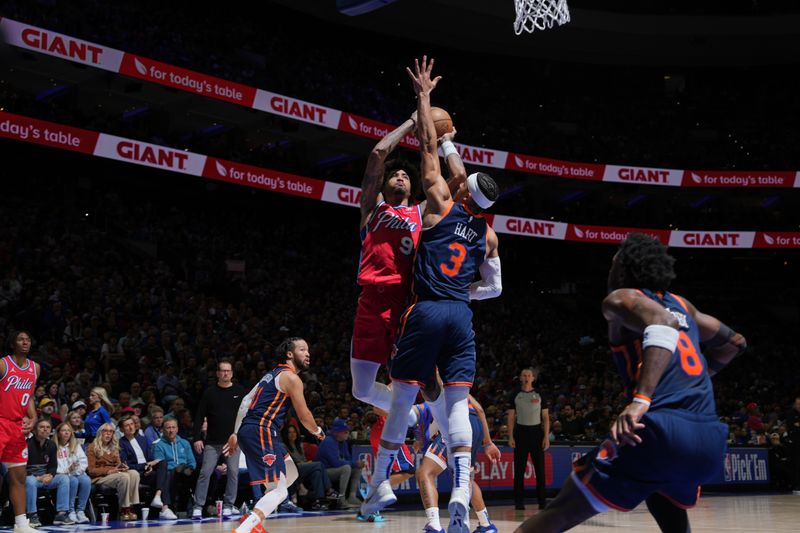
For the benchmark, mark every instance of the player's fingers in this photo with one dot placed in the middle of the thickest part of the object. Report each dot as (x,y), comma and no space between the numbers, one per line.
(436,81)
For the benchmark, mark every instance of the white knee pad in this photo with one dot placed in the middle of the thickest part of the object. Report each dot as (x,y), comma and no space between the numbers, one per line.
(291,472)
(458,416)
(403,396)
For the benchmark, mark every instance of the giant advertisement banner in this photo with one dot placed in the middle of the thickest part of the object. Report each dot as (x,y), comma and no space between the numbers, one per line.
(96,55)
(41,132)
(741,466)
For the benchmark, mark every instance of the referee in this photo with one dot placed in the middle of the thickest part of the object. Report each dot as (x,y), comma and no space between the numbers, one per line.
(528,427)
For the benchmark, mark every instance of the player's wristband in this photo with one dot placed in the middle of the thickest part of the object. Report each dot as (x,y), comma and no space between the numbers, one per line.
(641,398)
(318,432)
(449,148)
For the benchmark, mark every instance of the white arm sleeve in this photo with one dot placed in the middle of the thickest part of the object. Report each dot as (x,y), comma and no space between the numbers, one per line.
(491,284)
(244,407)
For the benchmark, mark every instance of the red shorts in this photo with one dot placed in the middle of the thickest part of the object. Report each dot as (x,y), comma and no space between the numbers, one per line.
(13,446)
(377,320)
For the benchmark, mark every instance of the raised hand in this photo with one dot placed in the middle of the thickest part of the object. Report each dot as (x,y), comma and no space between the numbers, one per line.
(421,76)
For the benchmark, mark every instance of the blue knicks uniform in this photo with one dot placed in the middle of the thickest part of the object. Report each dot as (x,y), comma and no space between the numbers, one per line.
(259,434)
(683,442)
(437,449)
(422,431)
(436,330)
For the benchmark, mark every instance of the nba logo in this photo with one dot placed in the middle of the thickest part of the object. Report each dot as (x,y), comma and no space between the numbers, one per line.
(576,456)
(728,468)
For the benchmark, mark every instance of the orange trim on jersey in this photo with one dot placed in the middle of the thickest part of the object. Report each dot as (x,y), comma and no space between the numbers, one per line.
(683,303)
(253,402)
(458,383)
(447,211)
(468,210)
(271,420)
(404,318)
(261,422)
(679,504)
(410,382)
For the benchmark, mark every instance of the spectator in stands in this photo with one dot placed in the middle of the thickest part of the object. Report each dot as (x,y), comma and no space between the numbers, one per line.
(153,432)
(501,433)
(176,452)
(334,453)
(99,412)
(312,474)
(47,407)
(72,462)
(107,470)
(793,430)
(42,473)
(571,425)
(215,408)
(137,453)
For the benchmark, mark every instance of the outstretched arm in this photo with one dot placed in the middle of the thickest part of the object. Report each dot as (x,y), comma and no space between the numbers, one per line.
(641,314)
(455,166)
(491,283)
(722,344)
(373,175)
(293,387)
(488,446)
(436,191)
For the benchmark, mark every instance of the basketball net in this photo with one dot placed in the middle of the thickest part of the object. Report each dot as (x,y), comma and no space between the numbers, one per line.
(540,14)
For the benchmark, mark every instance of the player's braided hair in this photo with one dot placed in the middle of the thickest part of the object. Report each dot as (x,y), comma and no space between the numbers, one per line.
(285,347)
(645,263)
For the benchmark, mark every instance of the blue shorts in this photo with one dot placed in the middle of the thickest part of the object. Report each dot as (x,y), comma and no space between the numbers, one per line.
(679,452)
(435,334)
(437,451)
(264,452)
(404,462)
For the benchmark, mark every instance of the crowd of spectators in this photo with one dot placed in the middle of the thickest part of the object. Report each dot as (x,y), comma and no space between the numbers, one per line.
(133,297)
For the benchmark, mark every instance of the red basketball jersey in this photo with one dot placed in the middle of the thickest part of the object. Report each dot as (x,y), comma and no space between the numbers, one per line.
(16,389)
(388,242)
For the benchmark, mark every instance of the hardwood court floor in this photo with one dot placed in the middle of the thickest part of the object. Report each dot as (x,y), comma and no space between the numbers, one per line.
(751,513)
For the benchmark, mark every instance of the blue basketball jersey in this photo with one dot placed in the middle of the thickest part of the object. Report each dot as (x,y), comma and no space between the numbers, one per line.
(685,383)
(422,431)
(268,407)
(449,255)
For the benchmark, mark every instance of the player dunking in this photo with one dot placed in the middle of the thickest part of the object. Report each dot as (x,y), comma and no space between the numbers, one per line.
(17,414)
(436,331)
(258,425)
(668,440)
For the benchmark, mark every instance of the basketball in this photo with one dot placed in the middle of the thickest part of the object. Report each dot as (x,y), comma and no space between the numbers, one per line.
(442,121)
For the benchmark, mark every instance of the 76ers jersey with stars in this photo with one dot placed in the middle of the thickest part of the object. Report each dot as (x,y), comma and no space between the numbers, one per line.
(16,389)
(388,242)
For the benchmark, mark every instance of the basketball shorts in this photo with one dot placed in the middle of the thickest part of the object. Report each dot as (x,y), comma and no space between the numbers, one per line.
(679,452)
(435,334)
(377,318)
(264,453)
(13,446)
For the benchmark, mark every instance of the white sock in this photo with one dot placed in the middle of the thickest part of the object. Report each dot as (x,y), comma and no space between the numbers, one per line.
(249,523)
(21,520)
(461,471)
(433,518)
(383,465)
(483,517)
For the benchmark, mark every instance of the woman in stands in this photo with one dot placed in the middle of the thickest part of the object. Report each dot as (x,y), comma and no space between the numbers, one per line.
(72,462)
(107,470)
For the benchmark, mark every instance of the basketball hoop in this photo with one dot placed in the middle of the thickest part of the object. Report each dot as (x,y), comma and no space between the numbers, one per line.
(540,14)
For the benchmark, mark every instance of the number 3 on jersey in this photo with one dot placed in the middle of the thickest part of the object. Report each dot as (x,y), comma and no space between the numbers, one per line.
(460,253)
(690,359)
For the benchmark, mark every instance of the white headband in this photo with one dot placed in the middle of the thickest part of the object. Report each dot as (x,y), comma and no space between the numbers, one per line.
(477,193)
